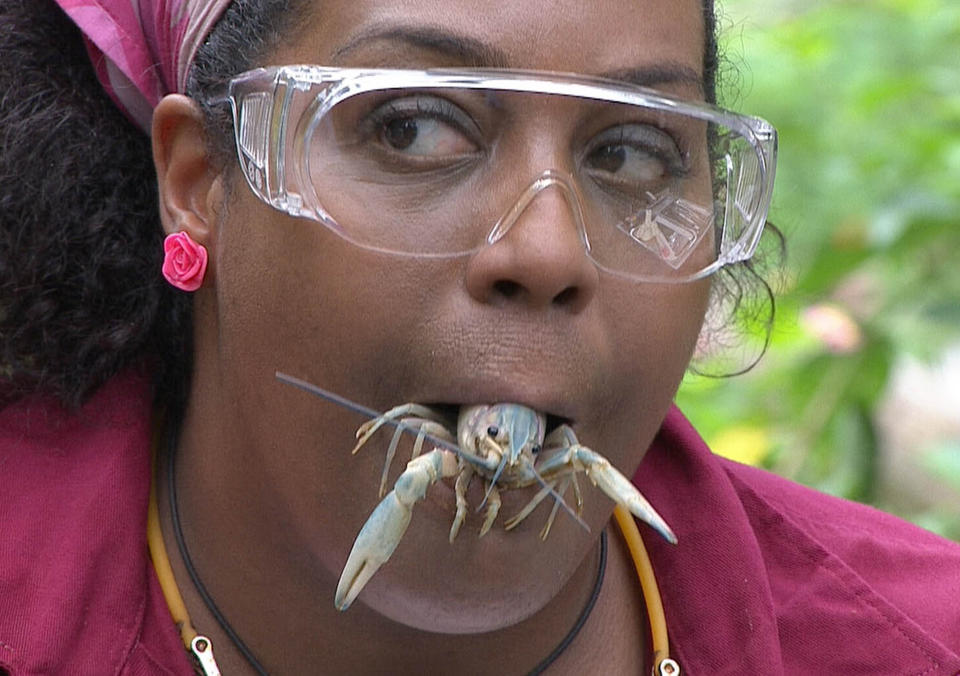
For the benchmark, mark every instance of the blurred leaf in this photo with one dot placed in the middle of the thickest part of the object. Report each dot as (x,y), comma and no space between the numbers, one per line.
(866,97)
(944,462)
(748,444)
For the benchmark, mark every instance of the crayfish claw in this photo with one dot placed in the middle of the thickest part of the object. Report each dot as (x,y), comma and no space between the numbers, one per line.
(388,522)
(619,489)
(374,545)
(345,596)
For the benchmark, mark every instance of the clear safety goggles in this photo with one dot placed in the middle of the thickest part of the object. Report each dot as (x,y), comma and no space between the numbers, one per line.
(440,163)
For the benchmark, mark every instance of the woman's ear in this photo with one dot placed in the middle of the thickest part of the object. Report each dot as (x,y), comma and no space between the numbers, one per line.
(190,183)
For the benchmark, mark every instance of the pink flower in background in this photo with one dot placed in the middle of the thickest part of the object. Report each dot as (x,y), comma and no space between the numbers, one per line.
(184,262)
(833,327)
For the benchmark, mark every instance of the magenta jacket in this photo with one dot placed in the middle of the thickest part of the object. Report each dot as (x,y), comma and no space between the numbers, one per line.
(769,577)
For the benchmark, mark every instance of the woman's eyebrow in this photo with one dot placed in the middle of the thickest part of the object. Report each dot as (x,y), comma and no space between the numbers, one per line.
(471,52)
(658,74)
(466,50)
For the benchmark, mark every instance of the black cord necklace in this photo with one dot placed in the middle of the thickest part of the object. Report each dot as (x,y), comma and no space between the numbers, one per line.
(249,656)
(584,614)
(194,576)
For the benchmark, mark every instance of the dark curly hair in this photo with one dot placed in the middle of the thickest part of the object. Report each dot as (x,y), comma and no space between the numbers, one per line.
(81,297)
(78,217)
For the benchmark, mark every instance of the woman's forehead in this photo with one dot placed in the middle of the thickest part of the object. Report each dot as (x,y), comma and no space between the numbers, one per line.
(563,35)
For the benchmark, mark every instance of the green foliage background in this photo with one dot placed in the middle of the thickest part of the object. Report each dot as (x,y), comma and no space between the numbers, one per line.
(866,97)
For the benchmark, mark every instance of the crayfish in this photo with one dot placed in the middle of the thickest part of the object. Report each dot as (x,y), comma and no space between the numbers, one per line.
(505,444)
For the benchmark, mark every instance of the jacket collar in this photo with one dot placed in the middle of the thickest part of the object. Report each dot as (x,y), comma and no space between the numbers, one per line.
(753,588)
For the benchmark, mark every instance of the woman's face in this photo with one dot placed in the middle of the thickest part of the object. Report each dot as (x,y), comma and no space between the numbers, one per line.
(529,320)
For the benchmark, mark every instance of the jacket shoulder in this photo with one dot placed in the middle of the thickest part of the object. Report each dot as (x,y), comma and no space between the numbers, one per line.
(913,570)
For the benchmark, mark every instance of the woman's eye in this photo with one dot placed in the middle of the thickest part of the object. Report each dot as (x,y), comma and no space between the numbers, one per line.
(424,127)
(424,136)
(634,156)
(626,164)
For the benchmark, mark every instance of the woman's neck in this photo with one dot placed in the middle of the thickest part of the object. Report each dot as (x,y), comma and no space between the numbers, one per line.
(287,623)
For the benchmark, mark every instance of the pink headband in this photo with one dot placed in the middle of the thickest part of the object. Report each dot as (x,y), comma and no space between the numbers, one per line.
(142,49)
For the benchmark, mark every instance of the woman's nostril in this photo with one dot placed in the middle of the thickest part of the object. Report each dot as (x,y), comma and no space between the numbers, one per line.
(566,297)
(506,288)
(509,289)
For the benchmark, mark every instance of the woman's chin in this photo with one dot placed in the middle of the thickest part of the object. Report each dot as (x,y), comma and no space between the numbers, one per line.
(440,613)
(473,585)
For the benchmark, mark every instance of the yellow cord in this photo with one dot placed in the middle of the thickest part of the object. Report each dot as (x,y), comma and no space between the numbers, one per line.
(651,593)
(161,563)
(199,646)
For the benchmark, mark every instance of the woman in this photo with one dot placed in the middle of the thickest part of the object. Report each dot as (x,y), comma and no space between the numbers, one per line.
(381,293)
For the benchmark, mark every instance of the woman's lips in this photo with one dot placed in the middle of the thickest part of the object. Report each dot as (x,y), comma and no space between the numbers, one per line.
(451,412)
(551,399)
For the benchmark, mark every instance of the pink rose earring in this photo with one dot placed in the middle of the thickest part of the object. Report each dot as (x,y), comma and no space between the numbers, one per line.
(184,261)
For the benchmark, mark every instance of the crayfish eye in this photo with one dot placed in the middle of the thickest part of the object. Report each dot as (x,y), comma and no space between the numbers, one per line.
(493,431)
(535,449)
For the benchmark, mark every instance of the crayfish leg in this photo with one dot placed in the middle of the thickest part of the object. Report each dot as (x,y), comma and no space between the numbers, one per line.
(562,491)
(515,520)
(391,451)
(464,475)
(577,495)
(493,496)
(369,428)
(432,428)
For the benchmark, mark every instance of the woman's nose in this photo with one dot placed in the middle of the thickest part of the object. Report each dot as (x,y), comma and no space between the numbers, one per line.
(538,258)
